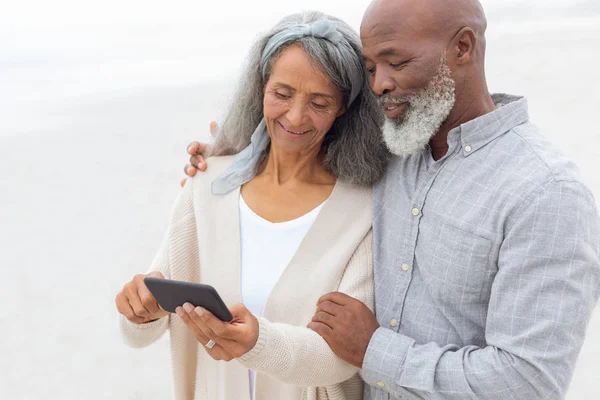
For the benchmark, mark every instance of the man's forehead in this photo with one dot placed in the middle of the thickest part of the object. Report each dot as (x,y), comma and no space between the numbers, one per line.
(397,21)
(386,39)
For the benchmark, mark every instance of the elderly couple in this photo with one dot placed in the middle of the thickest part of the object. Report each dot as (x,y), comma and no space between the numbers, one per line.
(456,257)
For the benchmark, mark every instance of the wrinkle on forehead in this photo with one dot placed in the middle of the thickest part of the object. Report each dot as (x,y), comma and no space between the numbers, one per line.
(422,19)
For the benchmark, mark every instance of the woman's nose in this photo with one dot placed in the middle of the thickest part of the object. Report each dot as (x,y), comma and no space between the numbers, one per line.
(295,114)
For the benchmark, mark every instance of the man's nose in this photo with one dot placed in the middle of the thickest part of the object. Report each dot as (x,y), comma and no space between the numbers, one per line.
(382,83)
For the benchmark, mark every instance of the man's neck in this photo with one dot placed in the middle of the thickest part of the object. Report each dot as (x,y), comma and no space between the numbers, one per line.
(460,115)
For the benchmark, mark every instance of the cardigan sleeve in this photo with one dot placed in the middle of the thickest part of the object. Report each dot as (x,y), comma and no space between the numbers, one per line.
(181,221)
(298,355)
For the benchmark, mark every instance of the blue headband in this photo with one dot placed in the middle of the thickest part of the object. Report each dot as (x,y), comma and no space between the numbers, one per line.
(245,164)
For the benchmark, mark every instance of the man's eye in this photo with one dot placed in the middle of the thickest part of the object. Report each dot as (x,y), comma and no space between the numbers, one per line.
(398,65)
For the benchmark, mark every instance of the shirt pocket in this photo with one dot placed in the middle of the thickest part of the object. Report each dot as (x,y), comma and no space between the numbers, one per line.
(455,264)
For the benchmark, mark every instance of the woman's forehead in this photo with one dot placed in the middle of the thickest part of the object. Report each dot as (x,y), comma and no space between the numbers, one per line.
(295,68)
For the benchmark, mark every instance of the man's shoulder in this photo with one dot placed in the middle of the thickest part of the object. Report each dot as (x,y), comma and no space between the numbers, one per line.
(524,166)
(527,155)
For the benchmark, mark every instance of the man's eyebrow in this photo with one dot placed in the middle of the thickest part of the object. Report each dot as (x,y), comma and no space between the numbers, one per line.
(387,52)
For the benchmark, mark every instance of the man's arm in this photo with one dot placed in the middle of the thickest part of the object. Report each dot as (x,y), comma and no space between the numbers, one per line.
(542,298)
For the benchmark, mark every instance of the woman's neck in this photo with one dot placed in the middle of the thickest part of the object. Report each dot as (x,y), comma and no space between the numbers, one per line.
(281,167)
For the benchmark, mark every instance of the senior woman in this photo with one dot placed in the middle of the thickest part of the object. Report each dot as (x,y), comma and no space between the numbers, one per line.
(275,227)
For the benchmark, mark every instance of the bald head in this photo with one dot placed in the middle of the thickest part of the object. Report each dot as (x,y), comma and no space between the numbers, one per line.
(428,18)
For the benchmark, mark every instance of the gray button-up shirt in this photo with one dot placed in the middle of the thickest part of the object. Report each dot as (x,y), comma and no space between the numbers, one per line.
(486,267)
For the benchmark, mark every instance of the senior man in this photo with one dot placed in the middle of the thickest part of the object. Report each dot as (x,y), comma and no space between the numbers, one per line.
(486,241)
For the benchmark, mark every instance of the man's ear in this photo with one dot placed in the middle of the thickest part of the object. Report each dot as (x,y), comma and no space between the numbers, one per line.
(462,48)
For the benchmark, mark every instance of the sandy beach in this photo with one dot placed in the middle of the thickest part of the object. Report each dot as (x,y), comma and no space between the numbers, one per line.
(87,182)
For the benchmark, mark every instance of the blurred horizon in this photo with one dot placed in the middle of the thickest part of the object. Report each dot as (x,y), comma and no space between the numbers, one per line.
(65,51)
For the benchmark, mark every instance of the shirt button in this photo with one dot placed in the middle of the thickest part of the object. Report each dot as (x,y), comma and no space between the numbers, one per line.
(468,149)
(394,322)
(416,211)
(405,267)
(380,384)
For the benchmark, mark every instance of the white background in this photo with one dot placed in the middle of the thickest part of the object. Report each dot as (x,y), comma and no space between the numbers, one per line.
(97,103)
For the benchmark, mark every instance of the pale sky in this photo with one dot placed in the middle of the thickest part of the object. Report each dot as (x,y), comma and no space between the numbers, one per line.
(63,48)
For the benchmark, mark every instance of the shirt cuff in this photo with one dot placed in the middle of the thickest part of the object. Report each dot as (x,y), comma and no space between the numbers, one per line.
(385,358)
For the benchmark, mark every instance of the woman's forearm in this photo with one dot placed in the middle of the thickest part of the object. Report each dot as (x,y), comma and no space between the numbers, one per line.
(296,355)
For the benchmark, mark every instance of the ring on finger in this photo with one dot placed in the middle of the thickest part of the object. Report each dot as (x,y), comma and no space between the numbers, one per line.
(211,343)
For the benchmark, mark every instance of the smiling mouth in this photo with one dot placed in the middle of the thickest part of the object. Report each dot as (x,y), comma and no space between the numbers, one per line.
(393,106)
(292,132)
(395,109)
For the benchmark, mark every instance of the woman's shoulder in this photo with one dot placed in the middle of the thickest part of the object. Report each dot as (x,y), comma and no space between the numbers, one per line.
(348,191)
(215,166)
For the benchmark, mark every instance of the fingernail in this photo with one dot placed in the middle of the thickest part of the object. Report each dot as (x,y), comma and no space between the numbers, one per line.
(188,307)
(199,311)
(179,311)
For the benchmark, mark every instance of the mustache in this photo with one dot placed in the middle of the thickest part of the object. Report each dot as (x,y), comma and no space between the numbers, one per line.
(386,99)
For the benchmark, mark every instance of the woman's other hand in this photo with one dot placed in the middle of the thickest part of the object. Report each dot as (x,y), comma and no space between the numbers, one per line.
(136,302)
(232,339)
(196,151)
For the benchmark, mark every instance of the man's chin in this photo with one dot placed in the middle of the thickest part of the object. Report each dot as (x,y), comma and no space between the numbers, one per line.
(402,141)
(397,120)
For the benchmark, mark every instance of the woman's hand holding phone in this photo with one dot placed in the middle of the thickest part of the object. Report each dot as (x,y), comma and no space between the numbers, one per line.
(136,302)
(232,339)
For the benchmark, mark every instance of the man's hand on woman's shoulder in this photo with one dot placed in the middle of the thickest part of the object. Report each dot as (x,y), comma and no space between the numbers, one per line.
(196,151)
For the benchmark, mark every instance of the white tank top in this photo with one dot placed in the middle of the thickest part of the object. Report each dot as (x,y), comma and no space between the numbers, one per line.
(266,250)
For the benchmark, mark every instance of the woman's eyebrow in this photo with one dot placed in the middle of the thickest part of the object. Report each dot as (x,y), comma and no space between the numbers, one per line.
(324,95)
(283,86)
(286,86)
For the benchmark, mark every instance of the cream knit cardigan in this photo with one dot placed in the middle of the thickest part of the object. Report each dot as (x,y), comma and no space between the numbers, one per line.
(202,244)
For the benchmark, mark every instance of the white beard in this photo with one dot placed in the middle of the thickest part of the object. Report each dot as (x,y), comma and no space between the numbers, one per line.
(426,112)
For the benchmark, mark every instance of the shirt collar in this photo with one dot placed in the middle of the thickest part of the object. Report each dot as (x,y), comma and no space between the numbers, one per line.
(511,111)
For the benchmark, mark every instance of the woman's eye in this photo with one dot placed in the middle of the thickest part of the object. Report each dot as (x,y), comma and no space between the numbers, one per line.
(319,106)
(282,95)
(371,70)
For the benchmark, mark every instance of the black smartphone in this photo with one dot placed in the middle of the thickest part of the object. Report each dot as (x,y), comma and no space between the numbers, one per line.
(172,294)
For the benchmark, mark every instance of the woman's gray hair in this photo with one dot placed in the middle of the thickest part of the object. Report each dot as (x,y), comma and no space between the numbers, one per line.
(354,149)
